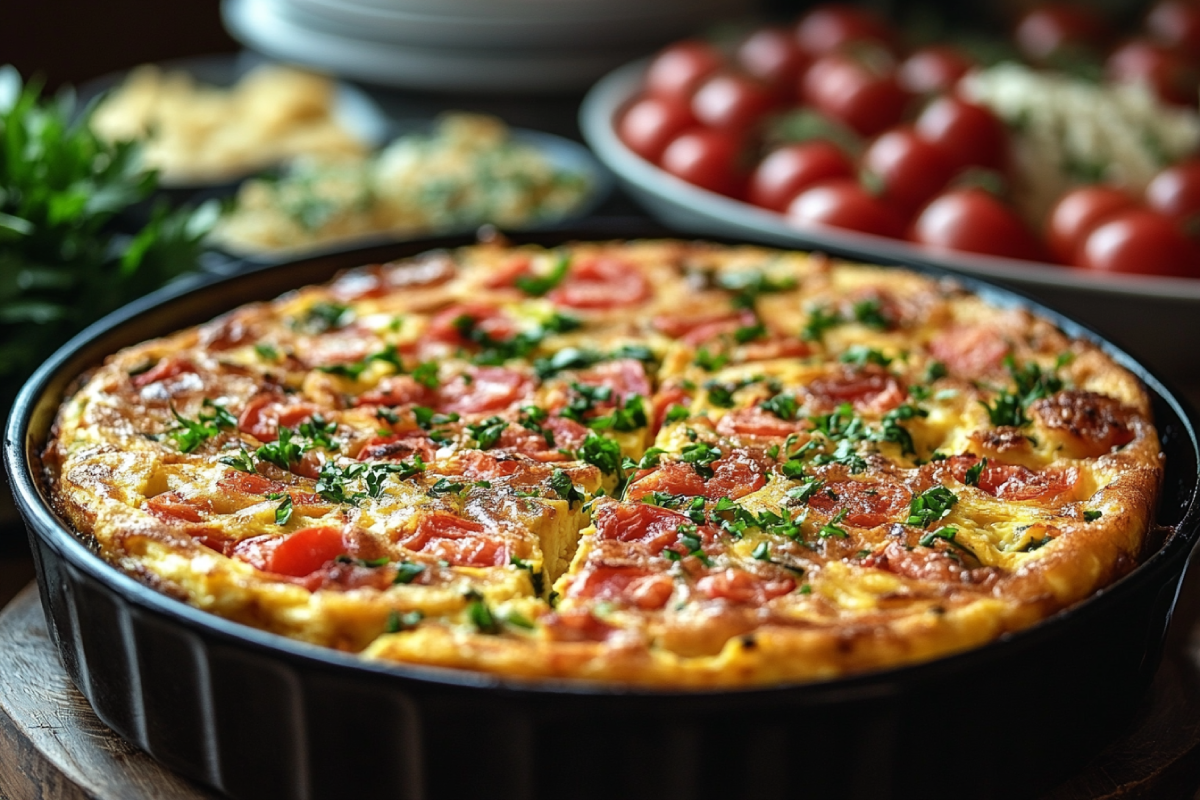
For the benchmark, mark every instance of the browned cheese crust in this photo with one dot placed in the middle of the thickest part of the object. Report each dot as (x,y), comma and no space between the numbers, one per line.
(658,463)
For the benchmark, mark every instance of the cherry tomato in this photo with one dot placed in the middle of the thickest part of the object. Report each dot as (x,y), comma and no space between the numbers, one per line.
(1176,24)
(650,123)
(971,134)
(1058,30)
(832,27)
(706,158)
(974,221)
(679,69)
(933,69)
(1176,191)
(729,100)
(912,170)
(861,92)
(306,551)
(773,56)
(1138,241)
(1079,211)
(1169,75)
(845,204)
(483,390)
(785,172)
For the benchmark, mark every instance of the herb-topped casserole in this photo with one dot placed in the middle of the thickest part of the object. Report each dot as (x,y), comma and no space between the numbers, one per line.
(659,463)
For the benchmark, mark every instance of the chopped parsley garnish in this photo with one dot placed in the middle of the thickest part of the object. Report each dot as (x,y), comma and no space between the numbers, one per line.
(701,456)
(445,486)
(561,483)
(266,352)
(861,355)
(355,369)
(807,489)
(192,433)
(426,418)
(820,319)
(831,528)
(1092,515)
(721,394)
(710,362)
(281,452)
(387,415)
(650,458)
(1035,544)
(487,433)
(782,405)
(242,461)
(935,370)
(972,477)
(891,430)
(538,285)
(601,452)
(567,358)
(322,317)
(749,333)
(1032,383)
(676,414)
(479,615)
(630,417)
(762,552)
(946,534)
(407,572)
(584,398)
(931,505)
(318,432)
(398,621)
(426,374)
(497,351)
(532,417)
(536,577)
(283,511)
(748,285)
(870,313)
(689,537)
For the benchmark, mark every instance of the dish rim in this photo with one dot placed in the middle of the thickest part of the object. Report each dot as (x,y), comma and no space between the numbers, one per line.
(69,361)
(609,95)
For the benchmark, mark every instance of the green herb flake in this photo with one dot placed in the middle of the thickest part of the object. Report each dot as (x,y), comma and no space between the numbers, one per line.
(1092,515)
(561,483)
(931,505)
(283,512)
(398,621)
(538,285)
(407,572)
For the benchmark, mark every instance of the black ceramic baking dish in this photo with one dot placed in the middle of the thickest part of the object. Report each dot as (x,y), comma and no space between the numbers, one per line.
(260,716)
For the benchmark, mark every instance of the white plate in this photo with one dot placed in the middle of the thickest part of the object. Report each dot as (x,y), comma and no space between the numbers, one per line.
(1156,317)
(353,108)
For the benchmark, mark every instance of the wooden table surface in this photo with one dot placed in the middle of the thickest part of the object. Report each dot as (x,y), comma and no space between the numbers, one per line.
(53,747)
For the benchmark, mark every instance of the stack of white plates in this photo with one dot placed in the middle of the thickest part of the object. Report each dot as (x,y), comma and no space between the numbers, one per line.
(470,45)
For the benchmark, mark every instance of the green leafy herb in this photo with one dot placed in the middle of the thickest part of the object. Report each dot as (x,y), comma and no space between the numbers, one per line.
(192,433)
(282,452)
(689,537)
(561,483)
(782,405)
(407,572)
(532,417)
(710,362)
(584,398)
(536,577)
(820,319)
(1092,515)
(426,418)
(322,316)
(487,433)
(831,528)
(676,414)
(931,505)
(935,370)
(266,352)
(629,417)
(749,333)
(426,374)
(861,355)
(973,473)
(354,370)
(479,615)
(398,621)
(539,285)
(762,552)
(701,456)
(870,313)
(747,286)
(601,452)
(283,512)
(445,486)
(241,461)
(807,489)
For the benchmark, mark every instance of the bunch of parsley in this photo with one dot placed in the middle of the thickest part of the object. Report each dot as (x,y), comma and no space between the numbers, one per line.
(62,264)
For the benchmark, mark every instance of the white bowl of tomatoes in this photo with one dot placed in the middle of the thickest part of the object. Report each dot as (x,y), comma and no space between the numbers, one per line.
(829,134)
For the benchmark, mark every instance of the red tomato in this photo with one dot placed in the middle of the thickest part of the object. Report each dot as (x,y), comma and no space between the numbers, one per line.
(866,503)
(705,158)
(787,171)
(650,123)
(933,69)
(739,586)
(845,204)
(174,507)
(1059,30)
(489,389)
(398,447)
(1012,481)
(970,351)
(735,475)
(757,422)
(974,221)
(912,170)
(1176,24)
(855,91)
(832,27)
(1169,75)
(488,319)
(1079,211)
(729,100)
(396,390)
(648,525)
(679,69)
(626,377)
(1176,191)
(868,388)
(774,57)
(266,413)
(1138,241)
(165,369)
(306,551)
(674,478)
(462,542)
(971,134)
(601,283)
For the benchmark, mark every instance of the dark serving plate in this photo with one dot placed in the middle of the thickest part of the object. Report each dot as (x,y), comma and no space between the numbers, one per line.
(260,716)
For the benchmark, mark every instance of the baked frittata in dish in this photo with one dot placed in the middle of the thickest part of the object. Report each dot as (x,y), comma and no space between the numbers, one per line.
(660,463)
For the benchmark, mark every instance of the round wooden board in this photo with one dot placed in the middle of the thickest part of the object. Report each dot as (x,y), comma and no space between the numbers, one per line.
(52,746)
